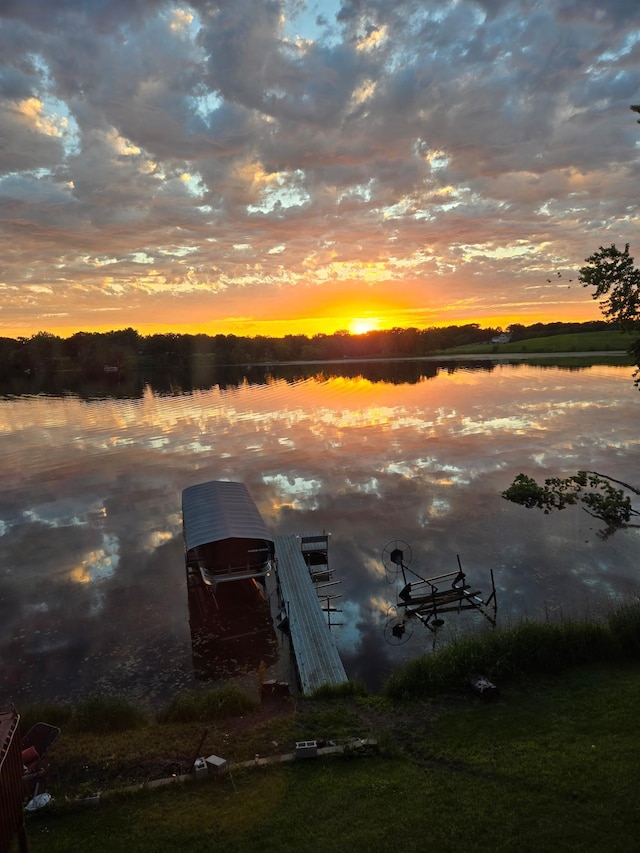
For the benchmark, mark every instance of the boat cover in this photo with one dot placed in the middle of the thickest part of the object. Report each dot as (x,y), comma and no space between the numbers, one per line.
(219,510)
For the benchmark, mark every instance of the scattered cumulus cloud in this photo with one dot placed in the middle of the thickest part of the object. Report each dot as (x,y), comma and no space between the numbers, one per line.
(272,161)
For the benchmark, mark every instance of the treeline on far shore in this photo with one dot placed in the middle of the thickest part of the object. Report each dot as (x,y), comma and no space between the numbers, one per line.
(97,353)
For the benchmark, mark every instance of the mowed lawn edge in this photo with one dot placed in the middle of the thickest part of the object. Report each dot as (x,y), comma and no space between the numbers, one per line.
(551,764)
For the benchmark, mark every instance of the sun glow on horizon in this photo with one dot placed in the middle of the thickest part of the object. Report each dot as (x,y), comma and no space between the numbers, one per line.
(312,320)
(362,325)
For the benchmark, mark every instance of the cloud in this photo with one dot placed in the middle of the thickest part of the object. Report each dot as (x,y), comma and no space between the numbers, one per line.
(371,141)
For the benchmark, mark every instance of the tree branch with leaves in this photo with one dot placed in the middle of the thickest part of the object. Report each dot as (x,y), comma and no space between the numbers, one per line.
(616,282)
(615,277)
(598,493)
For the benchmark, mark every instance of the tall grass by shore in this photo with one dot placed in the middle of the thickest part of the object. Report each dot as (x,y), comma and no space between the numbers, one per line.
(528,648)
(100,715)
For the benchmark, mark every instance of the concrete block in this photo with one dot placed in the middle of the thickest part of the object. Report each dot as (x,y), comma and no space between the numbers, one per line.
(215,764)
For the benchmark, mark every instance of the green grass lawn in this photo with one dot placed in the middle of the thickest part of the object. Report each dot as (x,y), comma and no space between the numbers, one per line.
(605,341)
(550,765)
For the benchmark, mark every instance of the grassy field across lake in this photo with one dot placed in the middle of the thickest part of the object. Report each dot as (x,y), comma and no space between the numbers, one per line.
(606,341)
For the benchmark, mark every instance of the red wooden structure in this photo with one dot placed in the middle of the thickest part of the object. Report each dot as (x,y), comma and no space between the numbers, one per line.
(11,784)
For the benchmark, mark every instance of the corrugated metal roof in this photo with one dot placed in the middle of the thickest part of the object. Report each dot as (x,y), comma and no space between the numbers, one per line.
(317,657)
(219,510)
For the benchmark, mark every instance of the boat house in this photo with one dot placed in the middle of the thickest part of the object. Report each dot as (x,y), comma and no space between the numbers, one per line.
(225,537)
(240,591)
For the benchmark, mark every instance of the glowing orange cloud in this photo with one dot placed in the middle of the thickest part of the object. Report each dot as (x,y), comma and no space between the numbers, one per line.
(312,309)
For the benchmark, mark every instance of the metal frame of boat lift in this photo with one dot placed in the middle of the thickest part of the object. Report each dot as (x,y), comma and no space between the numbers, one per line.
(427,598)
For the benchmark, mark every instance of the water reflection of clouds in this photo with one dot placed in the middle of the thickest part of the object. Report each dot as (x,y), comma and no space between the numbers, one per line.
(98,564)
(90,504)
(295,492)
(369,486)
(349,629)
(518,424)
(62,513)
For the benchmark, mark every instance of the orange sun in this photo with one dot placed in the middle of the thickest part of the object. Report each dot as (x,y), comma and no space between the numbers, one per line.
(362,325)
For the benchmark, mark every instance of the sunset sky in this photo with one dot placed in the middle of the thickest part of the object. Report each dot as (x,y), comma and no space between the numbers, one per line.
(279,166)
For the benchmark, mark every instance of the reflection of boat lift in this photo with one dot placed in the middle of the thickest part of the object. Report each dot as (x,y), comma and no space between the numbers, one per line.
(427,598)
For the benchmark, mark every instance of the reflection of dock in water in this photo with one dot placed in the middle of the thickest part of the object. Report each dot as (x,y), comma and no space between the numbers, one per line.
(241,582)
(231,631)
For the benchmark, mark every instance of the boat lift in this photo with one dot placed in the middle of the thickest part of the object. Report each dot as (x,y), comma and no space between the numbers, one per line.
(426,599)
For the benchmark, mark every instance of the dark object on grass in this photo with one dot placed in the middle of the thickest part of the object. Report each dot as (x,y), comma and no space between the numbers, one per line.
(35,745)
(481,685)
(306,749)
(192,766)
(274,689)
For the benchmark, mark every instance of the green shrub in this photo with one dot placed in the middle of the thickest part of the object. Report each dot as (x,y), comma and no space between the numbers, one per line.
(106,714)
(52,714)
(340,691)
(624,623)
(217,704)
(374,702)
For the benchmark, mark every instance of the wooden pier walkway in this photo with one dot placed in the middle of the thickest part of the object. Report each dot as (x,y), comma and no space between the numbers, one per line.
(313,647)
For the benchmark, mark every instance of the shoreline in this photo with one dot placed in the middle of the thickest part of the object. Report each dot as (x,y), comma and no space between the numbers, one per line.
(488,356)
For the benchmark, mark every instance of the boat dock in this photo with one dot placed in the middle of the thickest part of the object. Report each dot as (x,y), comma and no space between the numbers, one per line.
(245,586)
(300,614)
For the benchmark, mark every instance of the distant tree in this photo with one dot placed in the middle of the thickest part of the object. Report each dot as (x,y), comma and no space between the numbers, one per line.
(43,350)
(126,340)
(596,492)
(517,331)
(636,109)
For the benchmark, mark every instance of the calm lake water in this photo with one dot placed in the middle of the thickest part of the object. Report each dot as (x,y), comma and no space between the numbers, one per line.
(92,581)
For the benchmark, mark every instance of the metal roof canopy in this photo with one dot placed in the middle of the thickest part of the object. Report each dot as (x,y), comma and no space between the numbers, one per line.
(224,531)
